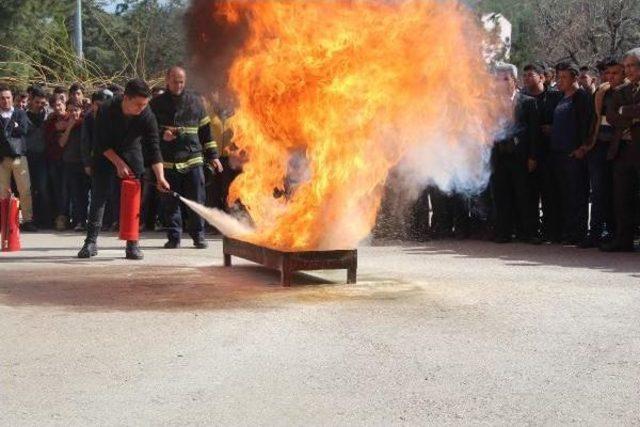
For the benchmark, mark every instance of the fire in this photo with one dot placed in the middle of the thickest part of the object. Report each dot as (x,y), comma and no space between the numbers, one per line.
(332,94)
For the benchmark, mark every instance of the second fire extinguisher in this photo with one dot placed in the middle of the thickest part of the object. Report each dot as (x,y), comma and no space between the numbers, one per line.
(9,223)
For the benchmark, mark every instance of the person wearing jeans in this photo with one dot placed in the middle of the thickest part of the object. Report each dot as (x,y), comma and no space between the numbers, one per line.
(14,125)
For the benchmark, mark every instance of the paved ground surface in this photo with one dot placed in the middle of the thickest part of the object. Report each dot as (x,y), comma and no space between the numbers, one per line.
(435,333)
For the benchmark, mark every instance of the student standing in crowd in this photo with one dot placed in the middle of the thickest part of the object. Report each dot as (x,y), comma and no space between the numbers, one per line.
(14,125)
(594,151)
(37,114)
(571,124)
(513,158)
(624,115)
(55,127)
(78,182)
(540,181)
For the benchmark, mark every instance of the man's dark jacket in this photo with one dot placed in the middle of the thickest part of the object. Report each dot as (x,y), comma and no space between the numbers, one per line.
(522,135)
(134,138)
(12,134)
(186,116)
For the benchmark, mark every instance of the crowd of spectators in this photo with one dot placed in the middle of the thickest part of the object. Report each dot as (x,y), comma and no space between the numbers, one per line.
(565,167)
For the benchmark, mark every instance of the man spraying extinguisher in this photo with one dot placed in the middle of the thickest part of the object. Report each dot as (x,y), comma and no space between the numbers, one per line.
(126,140)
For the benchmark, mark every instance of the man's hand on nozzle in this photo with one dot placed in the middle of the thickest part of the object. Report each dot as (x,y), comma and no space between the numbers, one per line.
(162,185)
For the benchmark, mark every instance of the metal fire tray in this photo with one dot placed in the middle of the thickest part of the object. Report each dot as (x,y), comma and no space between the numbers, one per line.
(289,262)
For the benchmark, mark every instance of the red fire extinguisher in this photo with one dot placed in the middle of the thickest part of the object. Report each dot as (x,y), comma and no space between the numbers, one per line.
(9,223)
(130,195)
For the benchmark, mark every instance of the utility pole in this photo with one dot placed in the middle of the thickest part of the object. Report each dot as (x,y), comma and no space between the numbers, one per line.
(78,30)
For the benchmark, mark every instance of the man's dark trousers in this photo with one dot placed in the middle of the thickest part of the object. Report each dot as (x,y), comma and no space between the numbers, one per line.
(511,195)
(40,189)
(598,169)
(102,180)
(190,185)
(570,176)
(626,173)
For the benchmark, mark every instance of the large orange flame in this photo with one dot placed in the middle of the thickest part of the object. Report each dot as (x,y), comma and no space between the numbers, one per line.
(332,95)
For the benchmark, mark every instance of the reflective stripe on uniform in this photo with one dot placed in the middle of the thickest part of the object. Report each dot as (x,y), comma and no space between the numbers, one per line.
(196,161)
(189,130)
(205,121)
(211,145)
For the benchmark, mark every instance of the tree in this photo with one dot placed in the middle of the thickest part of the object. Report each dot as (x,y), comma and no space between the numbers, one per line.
(141,40)
(586,31)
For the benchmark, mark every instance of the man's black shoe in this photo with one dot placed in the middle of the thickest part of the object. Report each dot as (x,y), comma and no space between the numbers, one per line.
(88,250)
(172,244)
(133,251)
(29,227)
(200,244)
(616,246)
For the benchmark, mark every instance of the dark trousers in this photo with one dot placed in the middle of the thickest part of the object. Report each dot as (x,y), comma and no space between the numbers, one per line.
(190,185)
(626,173)
(79,185)
(150,201)
(104,175)
(40,189)
(569,197)
(112,207)
(511,196)
(58,181)
(598,169)
(481,214)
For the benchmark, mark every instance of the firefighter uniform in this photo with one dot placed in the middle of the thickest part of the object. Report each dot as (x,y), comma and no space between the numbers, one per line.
(184,158)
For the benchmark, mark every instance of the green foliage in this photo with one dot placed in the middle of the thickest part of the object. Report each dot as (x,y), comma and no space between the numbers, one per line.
(141,40)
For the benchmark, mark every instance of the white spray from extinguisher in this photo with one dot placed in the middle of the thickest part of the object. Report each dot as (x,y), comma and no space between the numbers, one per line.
(225,223)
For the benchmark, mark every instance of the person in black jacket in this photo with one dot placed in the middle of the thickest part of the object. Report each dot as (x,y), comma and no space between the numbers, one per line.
(126,138)
(37,114)
(540,183)
(186,145)
(513,158)
(571,125)
(14,125)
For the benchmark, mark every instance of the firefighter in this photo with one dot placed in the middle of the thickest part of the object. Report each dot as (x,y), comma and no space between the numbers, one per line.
(186,145)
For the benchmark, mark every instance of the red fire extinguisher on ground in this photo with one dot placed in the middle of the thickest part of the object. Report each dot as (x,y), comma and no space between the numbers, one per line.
(130,196)
(9,223)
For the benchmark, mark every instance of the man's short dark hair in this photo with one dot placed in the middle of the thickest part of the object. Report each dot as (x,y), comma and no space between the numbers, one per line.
(58,90)
(55,98)
(76,87)
(610,61)
(4,88)
(38,92)
(567,66)
(137,88)
(536,68)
